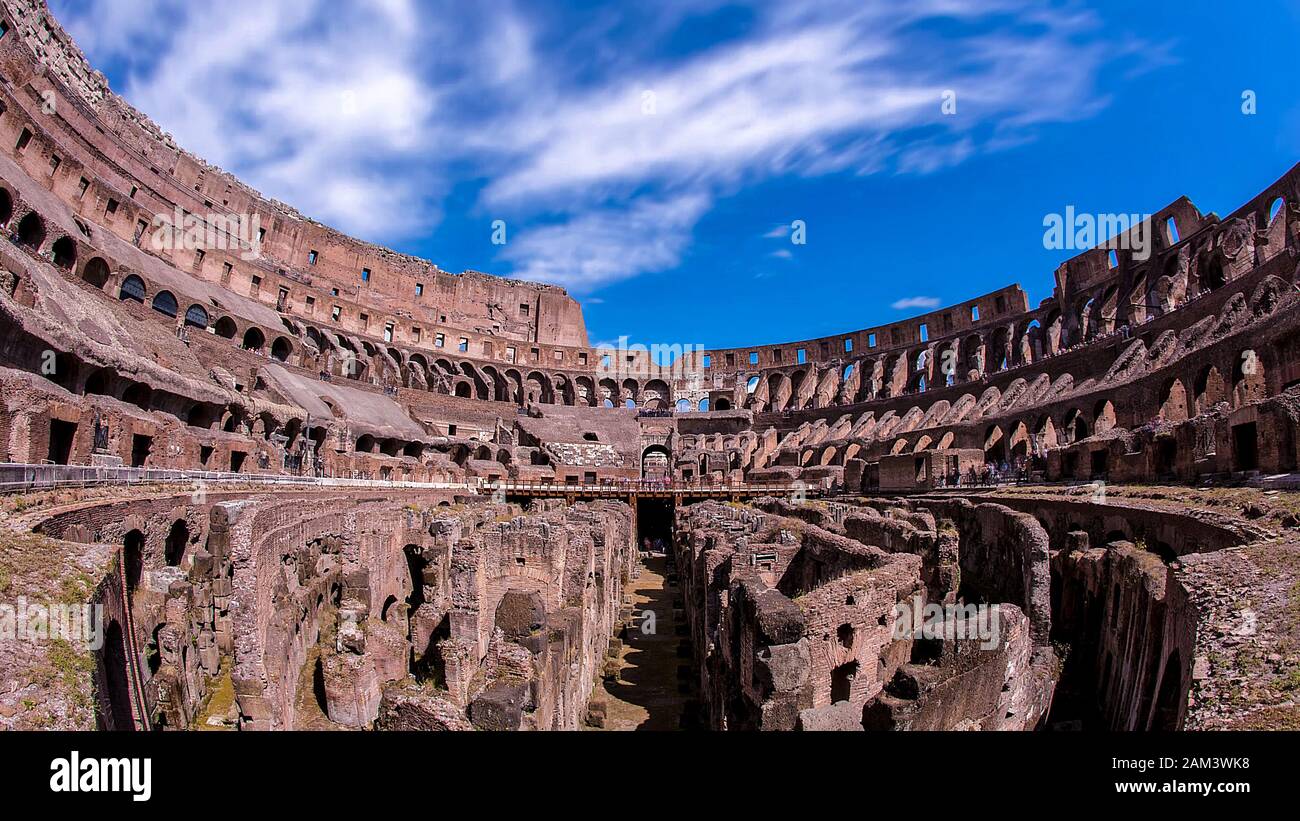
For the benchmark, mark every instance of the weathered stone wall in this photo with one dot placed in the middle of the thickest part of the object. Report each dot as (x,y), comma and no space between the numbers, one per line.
(799,626)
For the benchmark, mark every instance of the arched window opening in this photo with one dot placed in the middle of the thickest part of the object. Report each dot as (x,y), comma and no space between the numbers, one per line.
(196,316)
(64,253)
(164,303)
(31,231)
(132,288)
(254,339)
(281,349)
(96,272)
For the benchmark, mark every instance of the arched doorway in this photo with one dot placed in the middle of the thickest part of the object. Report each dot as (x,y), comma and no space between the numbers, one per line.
(96,272)
(133,558)
(31,231)
(64,253)
(655,463)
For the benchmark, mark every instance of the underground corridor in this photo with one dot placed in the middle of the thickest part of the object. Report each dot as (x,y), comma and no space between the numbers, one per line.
(652,684)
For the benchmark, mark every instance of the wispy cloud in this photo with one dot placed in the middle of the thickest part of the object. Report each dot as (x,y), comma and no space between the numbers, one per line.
(321,105)
(603,246)
(925,303)
(365,115)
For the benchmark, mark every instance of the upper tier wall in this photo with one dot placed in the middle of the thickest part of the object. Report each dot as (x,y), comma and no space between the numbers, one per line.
(111,165)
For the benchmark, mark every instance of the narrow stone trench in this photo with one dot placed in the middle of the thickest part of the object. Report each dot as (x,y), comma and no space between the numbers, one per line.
(655,684)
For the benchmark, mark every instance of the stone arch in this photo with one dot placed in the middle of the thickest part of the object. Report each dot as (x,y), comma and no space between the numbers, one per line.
(1211,274)
(138,394)
(196,316)
(31,231)
(164,302)
(133,558)
(96,272)
(1045,432)
(1136,311)
(1103,416)
(498,388)
(254,339)
(1019,442)
(132,288)
(1075,426)
(538,389)
(281,349)
(972,356)
(656,463)
(1173,401)
(225,328)
(63,253)
(585,390)
(995,445)
(1208,389)
(656,395)
(1248,383)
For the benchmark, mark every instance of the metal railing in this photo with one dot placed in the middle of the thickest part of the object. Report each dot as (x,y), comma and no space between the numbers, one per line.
(525,487)
(18,477)
(27,477)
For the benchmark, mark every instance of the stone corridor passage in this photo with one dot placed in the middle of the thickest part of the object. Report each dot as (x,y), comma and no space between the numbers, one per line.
(654,688)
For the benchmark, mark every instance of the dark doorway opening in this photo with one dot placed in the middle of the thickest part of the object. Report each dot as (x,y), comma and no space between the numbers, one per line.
(119,693)
(1100,463)
(133,558)
(1245,447)
(1169,702)
(1070,465)
(654,525)
(1166,457)
(61,437)
(140,447)
(177,539)
(842,681)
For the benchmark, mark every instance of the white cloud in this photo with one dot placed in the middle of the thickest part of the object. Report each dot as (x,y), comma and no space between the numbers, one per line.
(365,115)
(603,246)
(925,303)
(320,105)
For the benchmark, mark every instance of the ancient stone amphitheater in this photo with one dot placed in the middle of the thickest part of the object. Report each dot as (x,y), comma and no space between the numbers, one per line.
(313,483)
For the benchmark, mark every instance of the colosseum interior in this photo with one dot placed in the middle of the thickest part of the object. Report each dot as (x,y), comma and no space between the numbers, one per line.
(317,484)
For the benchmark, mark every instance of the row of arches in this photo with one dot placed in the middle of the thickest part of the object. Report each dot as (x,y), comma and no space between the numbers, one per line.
(134,289)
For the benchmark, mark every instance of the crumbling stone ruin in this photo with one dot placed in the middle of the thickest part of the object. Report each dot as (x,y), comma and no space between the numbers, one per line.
(314,483)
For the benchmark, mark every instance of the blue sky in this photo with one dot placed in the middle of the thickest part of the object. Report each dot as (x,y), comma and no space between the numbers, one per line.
(651,157)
